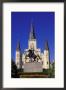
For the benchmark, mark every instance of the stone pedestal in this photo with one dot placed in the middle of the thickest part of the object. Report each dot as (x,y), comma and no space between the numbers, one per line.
(33,67)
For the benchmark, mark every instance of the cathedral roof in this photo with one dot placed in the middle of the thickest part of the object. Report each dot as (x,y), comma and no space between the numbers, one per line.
(32,33)
(46,45)
(18,46)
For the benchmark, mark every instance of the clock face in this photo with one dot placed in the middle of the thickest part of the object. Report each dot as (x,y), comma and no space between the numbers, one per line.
(32,46)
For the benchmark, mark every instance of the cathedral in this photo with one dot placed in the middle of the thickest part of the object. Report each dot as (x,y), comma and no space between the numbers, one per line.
(32,60)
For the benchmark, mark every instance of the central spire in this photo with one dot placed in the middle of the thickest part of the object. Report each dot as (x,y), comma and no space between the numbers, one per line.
(32,33)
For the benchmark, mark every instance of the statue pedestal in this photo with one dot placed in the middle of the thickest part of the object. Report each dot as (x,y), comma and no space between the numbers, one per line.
(33,67)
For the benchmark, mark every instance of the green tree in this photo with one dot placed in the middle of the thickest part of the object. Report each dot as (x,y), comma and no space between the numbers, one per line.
(51,70)
(13,69)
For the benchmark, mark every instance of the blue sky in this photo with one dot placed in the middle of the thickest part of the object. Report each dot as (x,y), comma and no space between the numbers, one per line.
(43,22)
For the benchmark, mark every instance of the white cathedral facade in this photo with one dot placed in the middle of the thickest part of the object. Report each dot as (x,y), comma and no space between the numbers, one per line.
(32,54)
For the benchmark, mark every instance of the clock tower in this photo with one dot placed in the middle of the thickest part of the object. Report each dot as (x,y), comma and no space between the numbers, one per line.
(18,56)
(32,39)
(46,57)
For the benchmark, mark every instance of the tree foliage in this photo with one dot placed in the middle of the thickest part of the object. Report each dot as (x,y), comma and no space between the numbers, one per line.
(13,69)
(52,70)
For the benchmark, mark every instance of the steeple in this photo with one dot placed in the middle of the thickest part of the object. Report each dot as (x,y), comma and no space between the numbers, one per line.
(32,33)
(46,45)
(18,46)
